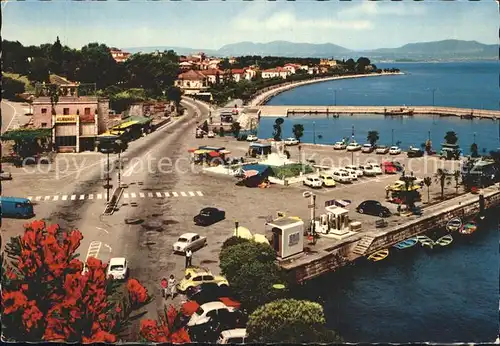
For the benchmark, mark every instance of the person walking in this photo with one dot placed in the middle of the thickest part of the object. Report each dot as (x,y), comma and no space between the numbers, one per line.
(164,287)
(172,285)
(189,256)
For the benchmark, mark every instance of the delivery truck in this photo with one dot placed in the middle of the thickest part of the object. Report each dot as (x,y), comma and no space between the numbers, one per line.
(16,207)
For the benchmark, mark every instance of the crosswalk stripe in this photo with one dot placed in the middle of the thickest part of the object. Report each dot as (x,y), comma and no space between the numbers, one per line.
(56,198)
(30,198)
(82,197)
(73,197)
(158,194)
(125,195)
(199,193)
(38,198)
(47,198)
(91,196)
(167,194)
(141,195)
(65,197)
(99,196)
(183,194)
(150,194)
(175,194)
(191,193)
(133,195)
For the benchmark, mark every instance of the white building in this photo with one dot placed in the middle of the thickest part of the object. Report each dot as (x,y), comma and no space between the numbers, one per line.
(278,72)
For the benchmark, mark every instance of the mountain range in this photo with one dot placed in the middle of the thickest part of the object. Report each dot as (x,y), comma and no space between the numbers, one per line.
(421,51)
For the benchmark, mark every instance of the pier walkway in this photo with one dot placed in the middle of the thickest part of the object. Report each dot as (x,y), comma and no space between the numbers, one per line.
(287,111)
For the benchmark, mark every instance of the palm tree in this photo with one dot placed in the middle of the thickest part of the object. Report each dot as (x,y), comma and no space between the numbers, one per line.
(443,178)
(372,137)
(474,151)
(428,183)
(451,137)
(298,131)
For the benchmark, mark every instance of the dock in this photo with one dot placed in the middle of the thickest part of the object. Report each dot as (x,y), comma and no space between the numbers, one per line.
(289,111)
(317,261)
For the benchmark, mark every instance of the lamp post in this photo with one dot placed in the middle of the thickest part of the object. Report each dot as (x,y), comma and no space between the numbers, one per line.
(119,144)
(314,132)
(429,135)
(107,180)
(312,206)
(352,151)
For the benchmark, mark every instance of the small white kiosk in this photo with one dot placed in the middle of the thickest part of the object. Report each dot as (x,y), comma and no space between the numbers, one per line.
(287,236)
(334,224)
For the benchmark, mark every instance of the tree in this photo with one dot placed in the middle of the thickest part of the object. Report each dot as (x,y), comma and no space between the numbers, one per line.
(167,329)
(361,64)
(234,240)
(277,129)
(39,70)
(97,66)
(11,87)
(443,178)
(474,150)
(298,131)
(174,94)
(428,183)
(372,137)
(428,146)
(46,296)
(350,65)
(56,57)
(289,321)
(451,137)
(235,129)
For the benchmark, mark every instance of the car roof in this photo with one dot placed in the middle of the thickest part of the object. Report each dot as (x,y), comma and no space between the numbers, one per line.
(213,305)
(209,208)
(187,235)
(370,201)
(234,333)
(117,261)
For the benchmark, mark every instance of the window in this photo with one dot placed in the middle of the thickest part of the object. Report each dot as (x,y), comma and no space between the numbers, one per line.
(188,276)
(182,240)
(293,239)
(44,124)
(208,278)
(212,314)
(118,267)
(65,111)
(44,110)
(196,237)
(197,278)
(236,340)
(87,111)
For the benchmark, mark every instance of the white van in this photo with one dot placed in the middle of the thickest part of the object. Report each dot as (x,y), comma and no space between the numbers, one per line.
(233,336)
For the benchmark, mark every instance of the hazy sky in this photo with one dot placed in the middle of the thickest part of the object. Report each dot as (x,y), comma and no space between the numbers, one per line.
(211,24)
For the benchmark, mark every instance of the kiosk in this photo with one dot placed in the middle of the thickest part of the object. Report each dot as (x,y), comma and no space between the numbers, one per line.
(334,224)
(287,236)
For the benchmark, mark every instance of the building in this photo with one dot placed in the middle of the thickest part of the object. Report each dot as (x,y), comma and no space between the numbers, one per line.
(186,65)
(250,73)
(213,75)
(119,55)
(278,72)
(238,74)
(76,120)
(192,82)
(293,68)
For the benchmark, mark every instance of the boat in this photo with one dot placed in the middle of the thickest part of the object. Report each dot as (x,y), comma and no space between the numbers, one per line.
(454,225)
(444,241)
(406,244)
(468,228)
(379,255)
(425,241)
(400,111)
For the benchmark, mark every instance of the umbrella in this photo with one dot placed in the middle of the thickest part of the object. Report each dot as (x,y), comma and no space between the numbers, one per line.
(242,232)
(260,238)
(251,173)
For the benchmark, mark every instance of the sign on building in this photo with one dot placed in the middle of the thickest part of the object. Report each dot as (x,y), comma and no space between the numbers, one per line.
(293,239)
(60,119)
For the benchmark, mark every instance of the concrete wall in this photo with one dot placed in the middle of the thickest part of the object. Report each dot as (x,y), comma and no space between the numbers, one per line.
(103,115)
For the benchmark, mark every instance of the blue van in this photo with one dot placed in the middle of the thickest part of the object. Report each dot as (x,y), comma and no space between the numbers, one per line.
(16,207)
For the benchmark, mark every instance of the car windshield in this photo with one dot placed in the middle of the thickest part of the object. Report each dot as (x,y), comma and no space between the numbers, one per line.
(200,311)
(367,145)
(205,213)
(118,267)
(182,240)
(394,148)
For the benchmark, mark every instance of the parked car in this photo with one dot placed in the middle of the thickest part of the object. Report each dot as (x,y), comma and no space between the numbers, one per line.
(208,216)
(118,268)
(353,146)
(375,208)
(376,167)
(394,150)
(199,133)
(342,177)
(339,146)
(233,336)
(196,276)
(211,134)
(368,170)
(207,292)
(208,311)
(356,169)
(314,182)
(415,152)
(16,207)
(218,322)
(382,150)
(367,148)
(352,174)
(327,179)
(291,141)
(5,175)
(252,138)
(192,241)
(389,167)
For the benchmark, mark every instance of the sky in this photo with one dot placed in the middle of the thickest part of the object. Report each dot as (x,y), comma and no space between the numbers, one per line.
(357,25)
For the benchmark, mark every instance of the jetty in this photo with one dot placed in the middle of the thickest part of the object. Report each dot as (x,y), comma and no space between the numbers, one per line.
(289,111)
(312,264)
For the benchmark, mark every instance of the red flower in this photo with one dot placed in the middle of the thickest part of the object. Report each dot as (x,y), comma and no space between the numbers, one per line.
(13,301)
(138,294)
(31,316)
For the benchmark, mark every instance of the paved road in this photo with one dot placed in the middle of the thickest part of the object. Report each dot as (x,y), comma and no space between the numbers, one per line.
(13,114)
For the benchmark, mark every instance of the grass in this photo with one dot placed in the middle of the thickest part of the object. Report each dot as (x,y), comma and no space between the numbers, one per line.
(291,170)
(28,86)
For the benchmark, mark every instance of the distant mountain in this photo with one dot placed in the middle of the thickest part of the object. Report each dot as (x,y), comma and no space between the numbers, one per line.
(438,50)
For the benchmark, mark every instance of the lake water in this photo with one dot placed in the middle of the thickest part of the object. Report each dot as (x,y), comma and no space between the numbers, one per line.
(450,295)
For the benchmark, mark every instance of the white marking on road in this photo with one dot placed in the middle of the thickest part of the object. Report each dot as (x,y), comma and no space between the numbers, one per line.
(91,196)
(183,194)
(47,198)
(125,195)
(175,194)
(38,198)
(199,193)
(167,194)
(133,195)
(150,194)
(99,196)
(109,247)
(73,197)
(191,193)
(65,197)
(129,171)
(94,249)
(158,194)
(102,229)
(82,197)
(13,117)
(141,195)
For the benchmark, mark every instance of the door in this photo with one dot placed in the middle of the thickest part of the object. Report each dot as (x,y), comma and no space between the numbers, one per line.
(277,234)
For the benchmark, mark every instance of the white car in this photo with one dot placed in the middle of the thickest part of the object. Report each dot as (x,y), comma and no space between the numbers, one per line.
(367,148)
(341,176)
(339,146)
(211,134)
(233,336)
(352,174)
(291,141)
(376,168)
(368,170)
(382,149)
(252,138)
(313,182)
(394,151)
(353,146)
(356,169)
(192,241)
(118,268)
(206,311)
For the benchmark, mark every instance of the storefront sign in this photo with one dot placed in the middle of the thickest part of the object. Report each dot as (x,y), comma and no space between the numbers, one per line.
(65,119)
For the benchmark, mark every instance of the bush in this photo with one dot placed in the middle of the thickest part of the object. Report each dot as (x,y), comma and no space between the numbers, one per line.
(11,87)
(232,258)
(289,321)
(234,240)
(291,170)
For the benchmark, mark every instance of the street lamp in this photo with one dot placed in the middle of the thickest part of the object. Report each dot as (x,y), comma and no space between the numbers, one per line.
(119,144)
(314,132)
(352,151)
(312,206)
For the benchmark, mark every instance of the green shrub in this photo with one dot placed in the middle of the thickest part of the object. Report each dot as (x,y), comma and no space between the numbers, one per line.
(291,170)
(234,240)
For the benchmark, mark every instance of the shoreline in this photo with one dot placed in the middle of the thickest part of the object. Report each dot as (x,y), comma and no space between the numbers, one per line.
(262,98)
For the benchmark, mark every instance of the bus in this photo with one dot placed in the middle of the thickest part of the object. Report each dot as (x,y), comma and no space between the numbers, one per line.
(16,207)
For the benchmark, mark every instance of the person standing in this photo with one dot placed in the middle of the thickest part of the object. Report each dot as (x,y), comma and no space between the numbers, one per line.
(189,256)
(164,288)
(172,285)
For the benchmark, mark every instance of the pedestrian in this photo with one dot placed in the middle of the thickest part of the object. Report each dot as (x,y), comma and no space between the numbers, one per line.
(189,256)
(164,287)
(172,285)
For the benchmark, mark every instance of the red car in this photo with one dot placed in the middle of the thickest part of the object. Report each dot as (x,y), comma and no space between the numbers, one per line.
(389,168)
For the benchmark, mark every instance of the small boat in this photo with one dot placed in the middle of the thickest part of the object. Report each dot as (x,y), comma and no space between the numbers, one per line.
(444,241)
(379,255)
(425,241)
(421,237)
(406,244)
(454,225)
(468,228)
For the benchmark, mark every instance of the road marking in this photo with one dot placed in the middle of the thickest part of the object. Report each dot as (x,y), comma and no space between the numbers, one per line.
(150,194)
(167,194)
(38,198)
(94,249)
(56,198)
(175,194)
(191,193)
(99,196)
(125,195)
(82,197)
(13,117)
(109,247)
(91,196)
(73,197)
(133,195)
(158,194)
(65,197)
(141,195)
(47,198)
(199,193)
(102,229)
(183,194)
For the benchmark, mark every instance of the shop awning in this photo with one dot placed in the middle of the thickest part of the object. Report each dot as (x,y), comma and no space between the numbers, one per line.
(26,134)
(139,120)
(124,125)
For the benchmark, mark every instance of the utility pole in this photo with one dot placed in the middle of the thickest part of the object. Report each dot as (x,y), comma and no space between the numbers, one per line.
(314,132)
(107,181)
(119,143)
(313,214)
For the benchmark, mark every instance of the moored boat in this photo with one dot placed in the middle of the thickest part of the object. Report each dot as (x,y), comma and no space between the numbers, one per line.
(406,244)
(379,255)
(444,241)
(425,241)
(468,228)
(454,225)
